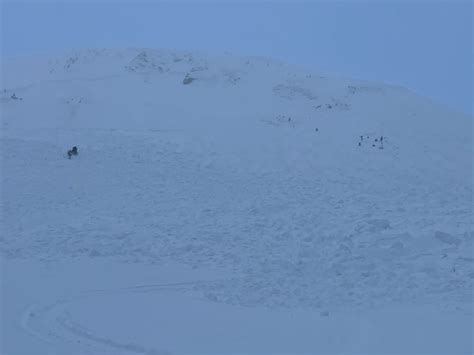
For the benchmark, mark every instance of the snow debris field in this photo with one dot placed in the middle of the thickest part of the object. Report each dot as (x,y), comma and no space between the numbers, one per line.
(228,205)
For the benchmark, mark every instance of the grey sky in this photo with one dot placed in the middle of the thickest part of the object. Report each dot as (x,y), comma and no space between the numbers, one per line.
(425,45)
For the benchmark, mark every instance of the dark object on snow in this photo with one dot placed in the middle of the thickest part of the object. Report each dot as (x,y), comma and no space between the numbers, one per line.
(72,152)
(359,144)
(376,140)
(317,129)
(14,97)
(361,138)
(373,145)
(188,79)
(381,138)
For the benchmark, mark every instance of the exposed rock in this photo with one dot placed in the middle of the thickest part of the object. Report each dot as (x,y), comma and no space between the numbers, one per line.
(363,89)
(71,61)
(188,79)
(143,62)
(198,68)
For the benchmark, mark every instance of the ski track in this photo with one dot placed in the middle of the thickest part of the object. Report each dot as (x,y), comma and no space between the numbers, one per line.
(52,323)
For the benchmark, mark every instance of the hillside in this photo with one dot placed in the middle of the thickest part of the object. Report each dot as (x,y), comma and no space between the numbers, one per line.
(251,188)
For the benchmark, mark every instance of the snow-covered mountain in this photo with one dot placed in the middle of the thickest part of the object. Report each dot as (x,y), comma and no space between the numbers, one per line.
(248,187)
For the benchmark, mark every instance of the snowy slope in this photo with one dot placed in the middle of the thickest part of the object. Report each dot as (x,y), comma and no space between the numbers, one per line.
(247,171)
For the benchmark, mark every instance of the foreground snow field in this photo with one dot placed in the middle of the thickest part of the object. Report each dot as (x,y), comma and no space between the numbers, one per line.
(225,205)
(132,308)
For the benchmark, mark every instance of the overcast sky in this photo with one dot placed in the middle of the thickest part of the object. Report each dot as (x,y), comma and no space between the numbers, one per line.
(425,45)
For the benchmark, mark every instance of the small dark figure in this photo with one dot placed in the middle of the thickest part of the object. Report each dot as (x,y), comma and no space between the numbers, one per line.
(376,140)
(72,152)
(14,97)
(361,138)
(381,138)
(317,130)
(373,145)
(289,119)
(359,144)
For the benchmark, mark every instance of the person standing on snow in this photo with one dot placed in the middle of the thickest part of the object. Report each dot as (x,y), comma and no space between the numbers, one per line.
(72,152)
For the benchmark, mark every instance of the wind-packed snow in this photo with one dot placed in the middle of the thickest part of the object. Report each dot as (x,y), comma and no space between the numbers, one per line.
(229,205)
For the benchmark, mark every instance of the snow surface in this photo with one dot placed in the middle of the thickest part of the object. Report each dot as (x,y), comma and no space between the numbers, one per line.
(224,205)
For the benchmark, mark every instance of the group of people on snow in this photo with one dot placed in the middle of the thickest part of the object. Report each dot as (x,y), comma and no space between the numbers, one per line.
(375,140)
